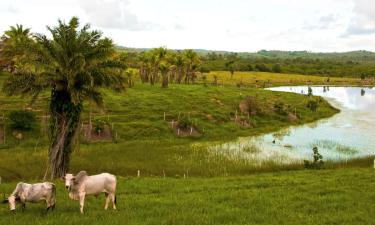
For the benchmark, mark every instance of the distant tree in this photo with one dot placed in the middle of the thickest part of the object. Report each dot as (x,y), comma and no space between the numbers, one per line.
(191,61)
(164,69)
(276,68)
(261,67)
(249,67)
(14,41)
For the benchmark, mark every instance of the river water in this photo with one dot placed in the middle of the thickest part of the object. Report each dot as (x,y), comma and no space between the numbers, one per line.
(348,134)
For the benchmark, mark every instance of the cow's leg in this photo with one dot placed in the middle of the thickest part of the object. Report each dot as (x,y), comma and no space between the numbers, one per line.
(81,201)
(107,198)
(23,206)
(48,202)
(113,198)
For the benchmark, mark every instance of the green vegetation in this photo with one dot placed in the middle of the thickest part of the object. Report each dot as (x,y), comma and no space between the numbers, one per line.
(310,197)
(317,162)
(21,119)
(146,142)
(359,64)
(72,65)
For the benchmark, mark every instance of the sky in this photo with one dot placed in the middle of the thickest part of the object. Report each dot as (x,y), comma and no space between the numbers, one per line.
(230,25)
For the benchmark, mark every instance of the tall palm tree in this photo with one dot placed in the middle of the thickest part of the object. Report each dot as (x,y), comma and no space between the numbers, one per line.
(73,65)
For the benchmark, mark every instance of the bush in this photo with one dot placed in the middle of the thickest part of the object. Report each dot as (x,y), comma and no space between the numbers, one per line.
(318,162)
(280,108)
(184,122)
(22,120)
(313,105)
(310,92)
(99,126)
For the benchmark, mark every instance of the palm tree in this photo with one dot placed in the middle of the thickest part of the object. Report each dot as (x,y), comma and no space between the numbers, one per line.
(179,62)
(164,69)
(14,41)
(73,65)
(192,61)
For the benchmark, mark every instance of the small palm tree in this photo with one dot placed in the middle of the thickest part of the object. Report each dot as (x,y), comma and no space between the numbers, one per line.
(192,62)
(179,62)
(73,65)
(164,69)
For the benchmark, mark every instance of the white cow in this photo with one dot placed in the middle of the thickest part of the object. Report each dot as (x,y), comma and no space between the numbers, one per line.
(81,185)
(32,193)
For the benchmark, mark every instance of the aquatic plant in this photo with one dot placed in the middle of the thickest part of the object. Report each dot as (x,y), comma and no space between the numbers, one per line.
(318,160)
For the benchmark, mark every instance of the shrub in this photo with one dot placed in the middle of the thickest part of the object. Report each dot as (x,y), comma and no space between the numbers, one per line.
(22,120)
(318,162)
(313,105)
(310,92)
(184,122)
(280,108)
(99,126)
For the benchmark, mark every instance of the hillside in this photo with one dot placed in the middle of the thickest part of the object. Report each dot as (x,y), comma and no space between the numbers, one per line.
(142,136)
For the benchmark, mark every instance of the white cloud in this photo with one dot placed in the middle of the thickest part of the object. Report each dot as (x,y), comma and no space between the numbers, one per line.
(363,21)
(236,25)
(113,14)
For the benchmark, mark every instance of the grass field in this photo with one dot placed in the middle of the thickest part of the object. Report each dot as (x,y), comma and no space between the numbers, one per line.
(344,197)
(145,140)
(263,79)
(217,190)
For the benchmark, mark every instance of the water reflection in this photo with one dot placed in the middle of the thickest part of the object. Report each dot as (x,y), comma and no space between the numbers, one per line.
(351,133)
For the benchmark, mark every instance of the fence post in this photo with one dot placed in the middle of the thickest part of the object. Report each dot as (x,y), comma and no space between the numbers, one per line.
(138,173)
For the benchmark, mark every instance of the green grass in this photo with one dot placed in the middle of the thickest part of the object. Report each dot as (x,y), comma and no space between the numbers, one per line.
(342,197)
(146,142)
(265,79)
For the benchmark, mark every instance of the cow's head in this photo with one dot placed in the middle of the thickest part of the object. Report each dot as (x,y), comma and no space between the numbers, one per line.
(69,179)
(11,200)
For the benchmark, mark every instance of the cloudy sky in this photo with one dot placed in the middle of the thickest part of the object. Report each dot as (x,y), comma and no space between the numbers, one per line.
(232,25)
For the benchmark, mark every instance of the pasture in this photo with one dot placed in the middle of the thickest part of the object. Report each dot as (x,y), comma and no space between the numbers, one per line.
(145,141)
(266,79)
(344,197)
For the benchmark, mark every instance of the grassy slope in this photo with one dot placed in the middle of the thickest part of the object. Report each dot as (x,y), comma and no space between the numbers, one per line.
(342,197)
(146,143)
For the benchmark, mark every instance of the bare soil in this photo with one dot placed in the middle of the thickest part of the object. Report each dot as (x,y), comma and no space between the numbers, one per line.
(105,135)
(184,132)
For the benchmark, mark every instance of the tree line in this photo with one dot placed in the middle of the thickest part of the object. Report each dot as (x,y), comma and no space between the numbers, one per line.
(351,64)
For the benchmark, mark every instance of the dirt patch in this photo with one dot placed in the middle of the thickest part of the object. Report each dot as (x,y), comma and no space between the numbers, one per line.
(210,117)
(243,123)
(105,135)
(179,131)
(292,117)
(217,101)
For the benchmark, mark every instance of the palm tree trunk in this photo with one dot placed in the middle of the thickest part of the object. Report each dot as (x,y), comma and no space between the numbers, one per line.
(179,78)
(165,80)
(65,117)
